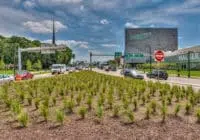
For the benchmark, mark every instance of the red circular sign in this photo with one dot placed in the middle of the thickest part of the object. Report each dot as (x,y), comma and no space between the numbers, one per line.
(159,55)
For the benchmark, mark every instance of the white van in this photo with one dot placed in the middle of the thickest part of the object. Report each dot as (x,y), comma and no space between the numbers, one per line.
(58,68)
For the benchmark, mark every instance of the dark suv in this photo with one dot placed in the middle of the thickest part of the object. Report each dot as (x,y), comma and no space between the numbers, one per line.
(158,74)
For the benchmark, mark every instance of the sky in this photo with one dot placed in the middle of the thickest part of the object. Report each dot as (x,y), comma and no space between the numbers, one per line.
(98,25)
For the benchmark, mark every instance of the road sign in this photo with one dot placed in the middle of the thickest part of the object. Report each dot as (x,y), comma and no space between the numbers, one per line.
(159,55)
(133,55)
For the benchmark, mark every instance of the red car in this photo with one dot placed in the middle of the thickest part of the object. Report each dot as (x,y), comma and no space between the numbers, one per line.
(23,75)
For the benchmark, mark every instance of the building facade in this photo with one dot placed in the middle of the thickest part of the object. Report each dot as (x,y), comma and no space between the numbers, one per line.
(140,43)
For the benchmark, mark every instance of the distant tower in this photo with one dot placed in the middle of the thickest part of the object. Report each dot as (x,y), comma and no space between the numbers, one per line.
(53,37)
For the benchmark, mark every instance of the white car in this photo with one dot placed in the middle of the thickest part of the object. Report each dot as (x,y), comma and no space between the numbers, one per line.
(58,68)
(6,78)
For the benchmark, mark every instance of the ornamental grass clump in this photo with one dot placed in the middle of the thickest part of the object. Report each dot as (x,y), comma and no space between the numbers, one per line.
(99,111)
(188,108)
(198,115)
(153,106)
(36,102)
(44,112)
(116,110)
(130,116)
(68,105)
(89,102)
(60,116)
(169,100)
(177,109)
(164,112)
(23,119)
(135,103)
(82,112)
(147,113)
(15,107)
(78,99)
(29,99)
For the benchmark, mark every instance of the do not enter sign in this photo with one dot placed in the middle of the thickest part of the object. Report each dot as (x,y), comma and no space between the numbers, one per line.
(159,55)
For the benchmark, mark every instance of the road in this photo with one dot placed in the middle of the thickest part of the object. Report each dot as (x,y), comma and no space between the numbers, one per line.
(195,83)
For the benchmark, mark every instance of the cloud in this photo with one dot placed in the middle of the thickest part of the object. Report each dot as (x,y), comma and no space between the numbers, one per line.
(109,45)
(58,2)
(71,43)
(44,26)
(104,21)
(29,4)
(131,25)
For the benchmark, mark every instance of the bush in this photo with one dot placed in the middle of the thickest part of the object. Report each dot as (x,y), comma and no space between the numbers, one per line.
(116,110)
(44,111)
(177,110)
(188,108)
(89,102)
(15,107)
(68,105)
(82,111)
(23,119)
(99,111)
(198,115)
(130,115)
(164,112)
(60,116)
(36,102)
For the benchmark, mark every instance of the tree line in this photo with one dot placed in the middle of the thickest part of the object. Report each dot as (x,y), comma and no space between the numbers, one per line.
(8,54)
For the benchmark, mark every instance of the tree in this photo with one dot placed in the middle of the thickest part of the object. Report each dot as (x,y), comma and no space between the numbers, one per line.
(2,64)
(37,65)
(28,65)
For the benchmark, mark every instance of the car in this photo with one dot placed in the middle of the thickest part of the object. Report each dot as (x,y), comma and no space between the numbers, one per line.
(71,69)
(58,68)
(24,75)
(158,74)
(6,78)
(133,74)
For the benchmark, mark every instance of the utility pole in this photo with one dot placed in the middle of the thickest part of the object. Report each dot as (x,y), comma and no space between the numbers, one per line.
(91,61)
(54,37)
(19,60)
(150,58)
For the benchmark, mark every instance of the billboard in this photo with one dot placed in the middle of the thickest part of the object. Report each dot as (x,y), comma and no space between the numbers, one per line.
(142,41)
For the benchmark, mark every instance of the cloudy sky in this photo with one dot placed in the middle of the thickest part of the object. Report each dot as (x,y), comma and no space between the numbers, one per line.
(98,25)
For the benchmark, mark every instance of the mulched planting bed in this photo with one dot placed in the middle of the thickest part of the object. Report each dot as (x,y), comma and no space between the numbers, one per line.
(88,105)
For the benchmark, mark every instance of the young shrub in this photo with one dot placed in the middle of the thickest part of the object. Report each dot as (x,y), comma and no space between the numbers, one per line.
(44,112)
(8,102)
(135,103)
(164,112)
(116,110)
(125,103)
(60,116)
(130,116)
(198,115)
(110,100)
(89,102)
(188,108)
(37,102)
(22,96)
(78,99)
(99,111)
(177,109)
(153,106)
(15,107)
(45,101)
(82,111)
(143,100)
(169,100)
(68,105)
(23,119)
(147,113)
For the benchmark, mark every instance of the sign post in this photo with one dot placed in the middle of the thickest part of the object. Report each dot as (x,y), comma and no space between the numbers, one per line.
(159,57)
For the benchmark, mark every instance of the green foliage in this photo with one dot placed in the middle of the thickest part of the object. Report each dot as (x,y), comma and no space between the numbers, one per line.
(188,108)
(60,116)
(79,98)
(153,106)
(36,102)
(89,102)
(135,103)
(28,65)
(82,111)
(15,107)
(198,115)
(68,105)
(23,119)
(99,111)
(37,65)
(130,116)
(116,110)
(44,111)
(147,112)
(177,109)
(2,64)
(29,99)
(164,112)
